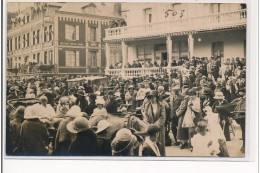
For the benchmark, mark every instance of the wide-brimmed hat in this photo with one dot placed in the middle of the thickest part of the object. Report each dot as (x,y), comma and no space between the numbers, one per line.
(123,139)
(74,111)
(79,124)
(100,101)
(117,94)
(32,112)
(102,125)
(152,129)
(219,96)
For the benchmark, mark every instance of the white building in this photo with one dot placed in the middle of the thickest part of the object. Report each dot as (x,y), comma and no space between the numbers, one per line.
(168,31)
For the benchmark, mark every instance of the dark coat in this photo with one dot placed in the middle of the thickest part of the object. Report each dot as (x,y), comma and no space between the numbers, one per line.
(147,150)
(112,106)
(104,146)
(90,108)
(34,137)
(85,144)
(182,133)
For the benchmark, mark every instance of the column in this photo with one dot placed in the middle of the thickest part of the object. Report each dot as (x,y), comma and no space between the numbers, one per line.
(191,45)
(169,50)
(124,54)
(107,55)
(86,44)
(56,45)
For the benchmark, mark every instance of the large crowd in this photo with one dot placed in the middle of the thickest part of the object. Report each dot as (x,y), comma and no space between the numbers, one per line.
(129,117)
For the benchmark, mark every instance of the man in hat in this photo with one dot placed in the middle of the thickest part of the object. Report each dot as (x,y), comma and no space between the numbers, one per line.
(130,97)
(92,104)
(224,121)
(15,127)
(104,142)
(85,143)
(111,104)
(34,134)
(81,100)
(150,145)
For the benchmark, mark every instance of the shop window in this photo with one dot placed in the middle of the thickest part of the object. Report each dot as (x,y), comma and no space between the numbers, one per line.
(217,49)
(93,57)
(72,58)
(72,32)
(93,34)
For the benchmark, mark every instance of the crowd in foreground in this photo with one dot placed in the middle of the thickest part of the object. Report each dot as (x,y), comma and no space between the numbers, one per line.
(130,117)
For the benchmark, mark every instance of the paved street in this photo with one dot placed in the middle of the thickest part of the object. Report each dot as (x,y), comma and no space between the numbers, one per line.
(233,146)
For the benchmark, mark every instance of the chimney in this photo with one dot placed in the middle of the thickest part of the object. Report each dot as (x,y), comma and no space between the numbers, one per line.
(117,8)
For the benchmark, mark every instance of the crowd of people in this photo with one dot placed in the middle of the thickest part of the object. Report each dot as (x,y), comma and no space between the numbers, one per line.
(130,117)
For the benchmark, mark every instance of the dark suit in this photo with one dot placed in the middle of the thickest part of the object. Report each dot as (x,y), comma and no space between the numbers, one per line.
(147,150)
(112,106)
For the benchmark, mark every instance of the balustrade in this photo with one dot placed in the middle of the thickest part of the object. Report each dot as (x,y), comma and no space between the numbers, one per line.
(227,19)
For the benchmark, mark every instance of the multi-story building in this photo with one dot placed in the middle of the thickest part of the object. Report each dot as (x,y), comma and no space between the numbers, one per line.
(168,31)
(60,38)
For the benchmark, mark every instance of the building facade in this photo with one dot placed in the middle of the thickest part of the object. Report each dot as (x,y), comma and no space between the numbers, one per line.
(60,38)
(168,31)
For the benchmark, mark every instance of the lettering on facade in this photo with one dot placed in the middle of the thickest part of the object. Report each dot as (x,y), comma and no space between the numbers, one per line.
(170,12)
(71,44)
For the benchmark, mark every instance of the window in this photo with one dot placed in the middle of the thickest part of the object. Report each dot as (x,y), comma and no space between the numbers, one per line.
(148,15)
(51,57)
(72,58)
(50,32)
(15,58)
(38,36)
(11,44)
(19,40)
(28,39)
(24,40)
(72,32)
(184,49)
(28,19)
(45,34)
(8,45)
(38,58)
(217,49)
(143,51)
(93,57)
(34,37)
(34,55)
(93,34)
(15,47)
(19,58)
(45,57)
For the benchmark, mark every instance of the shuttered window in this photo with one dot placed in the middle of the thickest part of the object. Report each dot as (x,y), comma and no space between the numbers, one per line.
(72,32)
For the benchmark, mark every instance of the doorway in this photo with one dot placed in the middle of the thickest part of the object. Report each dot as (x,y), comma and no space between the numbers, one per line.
(164,56)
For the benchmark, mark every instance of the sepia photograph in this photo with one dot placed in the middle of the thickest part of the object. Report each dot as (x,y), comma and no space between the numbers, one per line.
(139,79)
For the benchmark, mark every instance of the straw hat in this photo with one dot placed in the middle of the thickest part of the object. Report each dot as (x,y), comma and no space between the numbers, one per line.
(32,112)
(219,96)
(102,125)
(74,112)
(79,124)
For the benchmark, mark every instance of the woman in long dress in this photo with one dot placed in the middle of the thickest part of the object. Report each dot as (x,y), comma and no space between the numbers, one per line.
(154,113)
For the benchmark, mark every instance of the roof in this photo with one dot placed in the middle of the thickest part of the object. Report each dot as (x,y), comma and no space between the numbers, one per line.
(92,8)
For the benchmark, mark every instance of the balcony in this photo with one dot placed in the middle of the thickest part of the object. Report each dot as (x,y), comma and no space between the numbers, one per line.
(202,23)
(134,72)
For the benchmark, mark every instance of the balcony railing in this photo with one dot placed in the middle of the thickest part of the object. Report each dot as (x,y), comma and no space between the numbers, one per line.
(134,72)
(209,22)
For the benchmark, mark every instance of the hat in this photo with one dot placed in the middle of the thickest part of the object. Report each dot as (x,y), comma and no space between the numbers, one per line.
(100,101)
(102,125)
(207,91)
(64,100)
(79,124)
(19,111)
(43,98)
(130,86)
(242,89)
(110,93)
(160,88)
(74,112)
(123,139)
(219,96)
(117,94)
(152,129)
(32,112)
(152,93)
(80,93)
